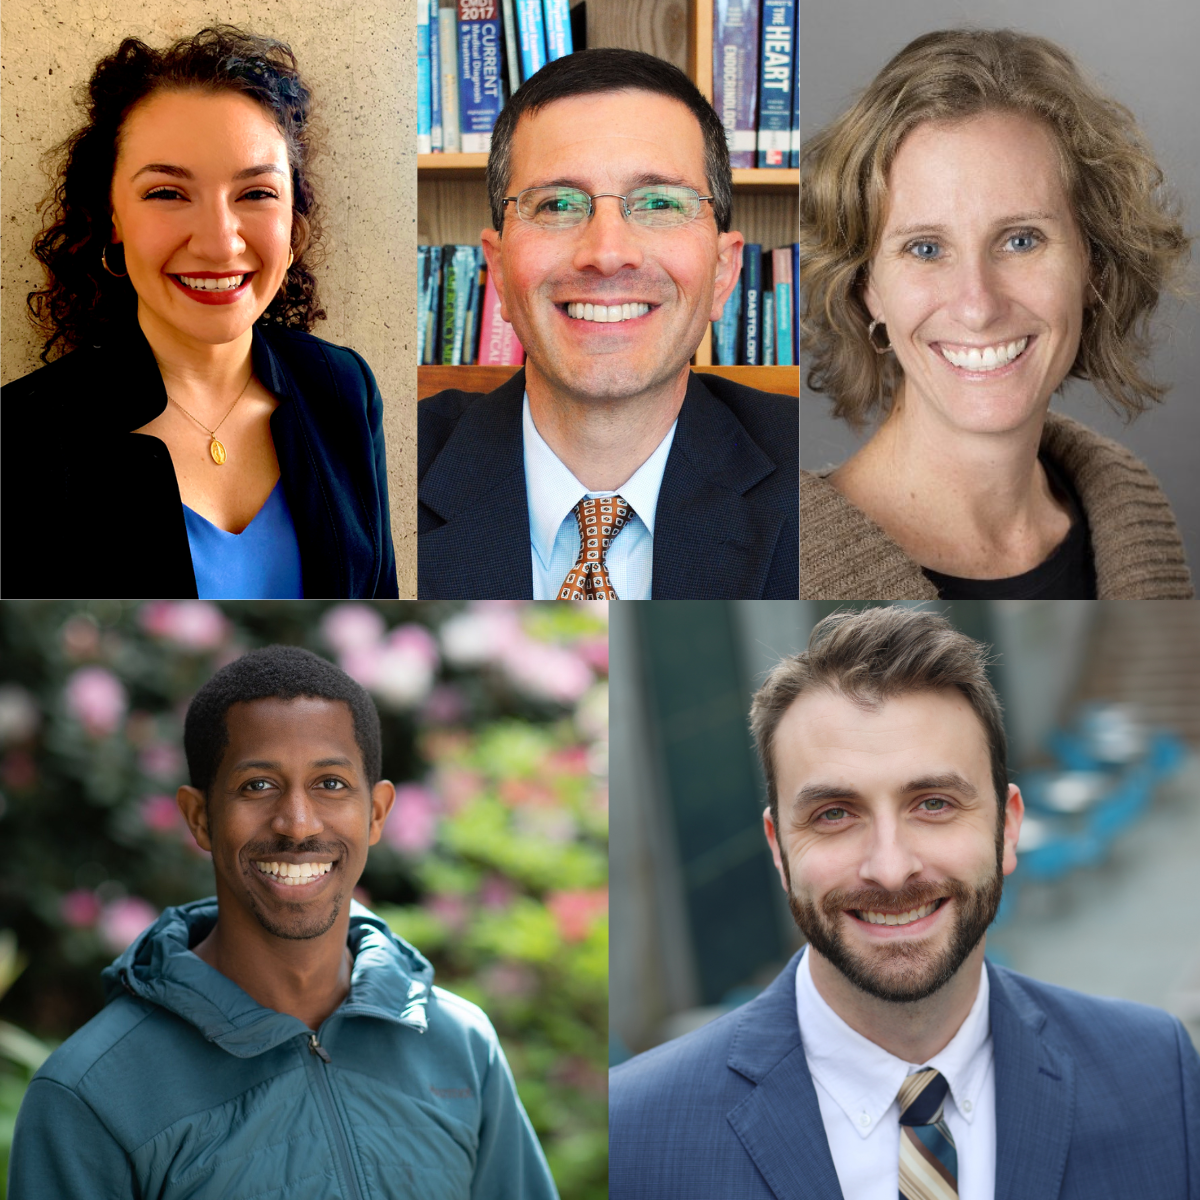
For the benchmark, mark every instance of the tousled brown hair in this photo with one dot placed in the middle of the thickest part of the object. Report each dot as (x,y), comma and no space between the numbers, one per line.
(1129,224)
(873,656)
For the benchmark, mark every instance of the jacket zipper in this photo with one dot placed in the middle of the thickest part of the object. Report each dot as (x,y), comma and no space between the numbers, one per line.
(317,1050)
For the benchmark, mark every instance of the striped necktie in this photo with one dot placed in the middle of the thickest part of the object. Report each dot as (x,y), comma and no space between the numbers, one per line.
(600,520)
(928,1160)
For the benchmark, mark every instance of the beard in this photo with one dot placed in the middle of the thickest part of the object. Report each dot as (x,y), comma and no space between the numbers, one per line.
(299,920)
(902,971)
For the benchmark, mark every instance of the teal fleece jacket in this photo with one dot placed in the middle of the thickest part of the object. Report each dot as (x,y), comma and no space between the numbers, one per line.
(183,1086)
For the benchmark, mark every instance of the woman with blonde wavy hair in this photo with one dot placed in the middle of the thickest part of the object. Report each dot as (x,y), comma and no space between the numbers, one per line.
(981,225)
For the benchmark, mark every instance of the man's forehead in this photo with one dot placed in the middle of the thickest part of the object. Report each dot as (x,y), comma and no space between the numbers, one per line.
(275,718)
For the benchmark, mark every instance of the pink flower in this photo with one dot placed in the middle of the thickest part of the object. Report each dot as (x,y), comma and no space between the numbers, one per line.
(96,697)
(412,823)
(481,634)
(190,624)
(452,911)
(122,920)
(161,760)
(445,705)
(352,627)
(496,892)
(509,980)
(458,787)
(81,637)
(595,654)
(160,813)
(576,911)
(546,671)
(399,670)
(80,909)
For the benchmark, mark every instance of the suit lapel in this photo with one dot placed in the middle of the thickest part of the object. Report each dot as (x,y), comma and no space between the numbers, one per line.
(477,486)
(1035,1096)
(710,541)
(779,1122)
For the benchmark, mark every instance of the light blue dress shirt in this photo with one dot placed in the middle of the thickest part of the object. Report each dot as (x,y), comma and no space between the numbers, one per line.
(552,492)
(260,563)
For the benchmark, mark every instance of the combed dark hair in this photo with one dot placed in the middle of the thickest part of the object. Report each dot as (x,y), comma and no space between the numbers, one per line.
(81,300)
(610,69)
(1129,223)
(873,656)
(280,672)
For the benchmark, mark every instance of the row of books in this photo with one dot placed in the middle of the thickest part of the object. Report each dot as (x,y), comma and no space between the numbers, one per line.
(758,325)
(756,80)
(472,55)
(458,318)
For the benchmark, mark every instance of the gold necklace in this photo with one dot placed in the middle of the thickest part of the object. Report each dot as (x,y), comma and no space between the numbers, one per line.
(215,449)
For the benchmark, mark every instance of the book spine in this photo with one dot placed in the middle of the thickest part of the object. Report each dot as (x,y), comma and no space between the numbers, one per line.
(422,294)
(449,303)
(725,331)
(432,306)
(794,155)
(768,328)
(479,96)
(532,30)
(775,83)
(795,302)
(735,76)
(464,274)
(512,46)
(471,330)
(751,348)
(448,45)
(498,343)
(424,134)
(436,137)
(781,273)
(558,29)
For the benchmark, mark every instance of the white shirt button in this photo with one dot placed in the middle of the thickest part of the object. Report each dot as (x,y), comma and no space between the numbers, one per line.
(966,1106)
(864,1119)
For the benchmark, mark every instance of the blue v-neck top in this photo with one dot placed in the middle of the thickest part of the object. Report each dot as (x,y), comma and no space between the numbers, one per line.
(260,563)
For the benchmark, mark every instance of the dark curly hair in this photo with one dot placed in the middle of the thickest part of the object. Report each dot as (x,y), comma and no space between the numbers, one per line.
(81,300)
(274,672)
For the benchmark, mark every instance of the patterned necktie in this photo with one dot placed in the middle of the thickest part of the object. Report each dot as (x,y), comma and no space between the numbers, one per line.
(600,520)
(928,1160)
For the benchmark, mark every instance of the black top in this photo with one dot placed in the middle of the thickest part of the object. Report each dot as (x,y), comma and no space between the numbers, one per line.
(1068,574)
(726,525)
(91,508)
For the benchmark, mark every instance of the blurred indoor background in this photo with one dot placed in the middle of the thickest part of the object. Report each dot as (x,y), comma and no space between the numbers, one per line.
(1102,706)
(493,861)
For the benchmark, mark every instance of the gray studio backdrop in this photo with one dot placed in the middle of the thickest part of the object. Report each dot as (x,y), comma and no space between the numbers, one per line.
(1144,55)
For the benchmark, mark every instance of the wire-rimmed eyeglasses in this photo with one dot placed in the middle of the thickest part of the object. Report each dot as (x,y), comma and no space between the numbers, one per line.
(656,206)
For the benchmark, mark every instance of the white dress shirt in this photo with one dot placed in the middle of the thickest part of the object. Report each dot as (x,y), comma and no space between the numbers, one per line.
(857,1082)
(552,492)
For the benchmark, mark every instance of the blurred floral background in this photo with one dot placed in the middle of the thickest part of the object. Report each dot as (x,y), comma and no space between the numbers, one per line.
(493,862)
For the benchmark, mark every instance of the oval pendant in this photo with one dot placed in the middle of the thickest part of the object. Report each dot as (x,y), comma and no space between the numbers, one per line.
(217,451)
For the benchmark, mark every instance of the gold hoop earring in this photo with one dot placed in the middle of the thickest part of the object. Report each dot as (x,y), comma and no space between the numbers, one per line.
(104,263)
(871,338)
(291,259)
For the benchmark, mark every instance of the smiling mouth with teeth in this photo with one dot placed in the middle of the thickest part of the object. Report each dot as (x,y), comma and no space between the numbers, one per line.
(904,918)
(606,313)
(226,283)
(990,358)
(294,874)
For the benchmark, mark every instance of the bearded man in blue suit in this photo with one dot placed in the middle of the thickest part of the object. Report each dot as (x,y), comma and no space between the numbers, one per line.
(889,1058)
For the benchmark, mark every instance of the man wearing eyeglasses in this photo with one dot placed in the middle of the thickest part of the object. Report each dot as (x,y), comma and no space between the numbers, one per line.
(606,469)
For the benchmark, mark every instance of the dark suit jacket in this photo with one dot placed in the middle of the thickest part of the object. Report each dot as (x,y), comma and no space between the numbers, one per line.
(1095,1099)
(726,525)
(92,509)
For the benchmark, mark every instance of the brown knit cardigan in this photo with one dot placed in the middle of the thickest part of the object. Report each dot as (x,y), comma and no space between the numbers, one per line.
(1139,554)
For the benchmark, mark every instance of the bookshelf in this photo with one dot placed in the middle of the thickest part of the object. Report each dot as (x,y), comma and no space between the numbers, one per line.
(452,201)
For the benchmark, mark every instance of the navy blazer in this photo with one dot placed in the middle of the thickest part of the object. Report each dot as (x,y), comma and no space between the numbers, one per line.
(1095,1099)
(91,508)
(726,525)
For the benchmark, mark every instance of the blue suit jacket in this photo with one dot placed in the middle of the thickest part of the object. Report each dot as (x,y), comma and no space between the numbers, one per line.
(1094,1099)
(91,508)
(726,525)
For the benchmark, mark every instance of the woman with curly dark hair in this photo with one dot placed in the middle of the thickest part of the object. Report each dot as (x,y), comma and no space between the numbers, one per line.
(980,225)
(191,437)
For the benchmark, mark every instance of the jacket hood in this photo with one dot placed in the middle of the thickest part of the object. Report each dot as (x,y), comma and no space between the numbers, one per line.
(390,981)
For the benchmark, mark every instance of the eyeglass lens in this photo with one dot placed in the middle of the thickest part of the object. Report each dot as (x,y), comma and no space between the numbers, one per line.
(655,206)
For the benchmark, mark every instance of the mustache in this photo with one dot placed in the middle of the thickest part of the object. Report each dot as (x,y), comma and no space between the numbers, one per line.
(266,847)
(915,895)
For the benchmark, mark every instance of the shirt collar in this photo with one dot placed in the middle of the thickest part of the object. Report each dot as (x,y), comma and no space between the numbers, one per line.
(553,491)
(863,1078)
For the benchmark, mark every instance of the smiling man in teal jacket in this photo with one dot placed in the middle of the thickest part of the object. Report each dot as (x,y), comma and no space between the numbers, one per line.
(279,1040)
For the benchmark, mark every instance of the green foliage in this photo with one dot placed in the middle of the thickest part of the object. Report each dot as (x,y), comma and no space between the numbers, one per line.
(494,862)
